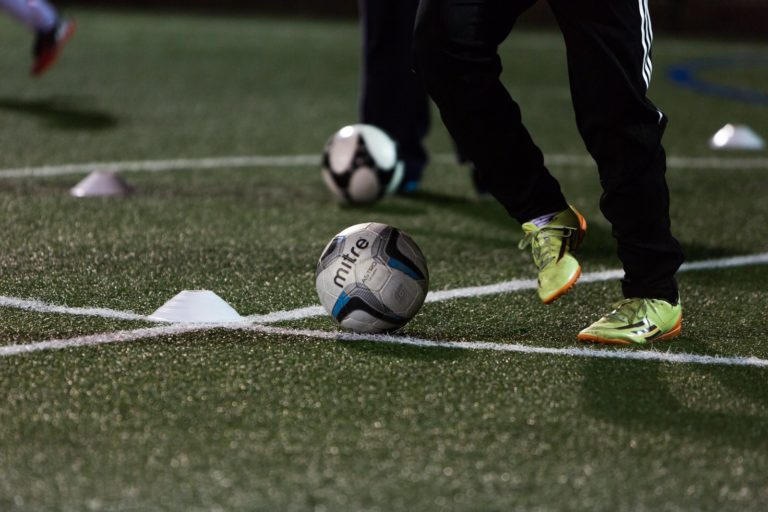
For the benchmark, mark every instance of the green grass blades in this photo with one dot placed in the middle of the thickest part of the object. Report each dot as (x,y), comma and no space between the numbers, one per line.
(253,420)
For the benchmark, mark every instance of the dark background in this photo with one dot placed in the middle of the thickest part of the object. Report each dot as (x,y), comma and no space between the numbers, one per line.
(740,18)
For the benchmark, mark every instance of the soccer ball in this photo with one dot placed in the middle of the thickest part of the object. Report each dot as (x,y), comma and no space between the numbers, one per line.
(361,165)
(372,278)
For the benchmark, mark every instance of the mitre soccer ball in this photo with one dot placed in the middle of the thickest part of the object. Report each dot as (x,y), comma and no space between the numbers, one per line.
(361,165)
(372,278)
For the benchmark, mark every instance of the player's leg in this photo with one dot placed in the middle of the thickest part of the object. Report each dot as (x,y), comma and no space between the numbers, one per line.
(456,55)
(609,50)
(392,96)
(52,32)
(38,15)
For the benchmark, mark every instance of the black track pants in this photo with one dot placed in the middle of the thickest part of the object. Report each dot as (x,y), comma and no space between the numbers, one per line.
(393,98)
(608,49)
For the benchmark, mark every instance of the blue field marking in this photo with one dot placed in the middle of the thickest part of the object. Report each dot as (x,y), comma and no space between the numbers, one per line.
(685,75)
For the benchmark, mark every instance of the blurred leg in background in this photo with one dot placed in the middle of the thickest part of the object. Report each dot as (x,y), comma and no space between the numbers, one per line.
(51,31)
(393,98)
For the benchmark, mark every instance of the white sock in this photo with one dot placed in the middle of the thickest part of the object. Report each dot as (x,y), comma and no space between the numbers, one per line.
(38,15)
(544,219)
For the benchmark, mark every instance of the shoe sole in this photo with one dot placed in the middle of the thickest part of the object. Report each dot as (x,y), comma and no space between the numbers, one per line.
(673,333)
(565,289)
(45,62)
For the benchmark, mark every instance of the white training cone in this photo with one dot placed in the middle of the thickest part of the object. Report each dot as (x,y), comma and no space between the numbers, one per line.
(101,184)
(736,136)
(197,306)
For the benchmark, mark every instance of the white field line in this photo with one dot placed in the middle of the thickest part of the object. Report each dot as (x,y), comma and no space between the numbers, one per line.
(164,165)
(557,160)
(594,353)
(590,277)
(673,162)
(600,353)
(99,339)
(514,285)
(312,311)
(41,307)
(284,316)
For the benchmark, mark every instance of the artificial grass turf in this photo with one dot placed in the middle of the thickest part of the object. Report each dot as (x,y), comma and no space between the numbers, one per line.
(21,326)
(245,421)
(240,421)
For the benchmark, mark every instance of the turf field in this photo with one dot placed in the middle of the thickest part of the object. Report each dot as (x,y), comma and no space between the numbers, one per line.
(485,401)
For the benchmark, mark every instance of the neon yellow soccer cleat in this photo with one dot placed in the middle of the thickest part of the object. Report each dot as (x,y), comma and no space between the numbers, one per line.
(551,246)
(636,321)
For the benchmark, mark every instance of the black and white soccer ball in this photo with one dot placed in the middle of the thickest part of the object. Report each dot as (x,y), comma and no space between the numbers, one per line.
(372,278)
(361,164)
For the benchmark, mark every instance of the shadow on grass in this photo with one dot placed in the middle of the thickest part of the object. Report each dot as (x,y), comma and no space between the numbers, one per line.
(62,113)
(421,202)
(385,208)
(487,210)
(635,396)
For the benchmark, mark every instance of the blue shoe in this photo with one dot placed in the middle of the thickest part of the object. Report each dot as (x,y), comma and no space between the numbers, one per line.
(409,187)
(414,168)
